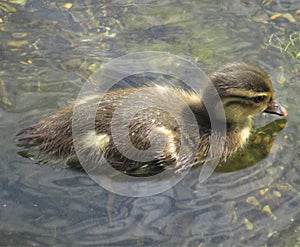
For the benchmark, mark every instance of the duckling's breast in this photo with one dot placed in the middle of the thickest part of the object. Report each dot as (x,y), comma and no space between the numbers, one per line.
(244,135)
(237,137)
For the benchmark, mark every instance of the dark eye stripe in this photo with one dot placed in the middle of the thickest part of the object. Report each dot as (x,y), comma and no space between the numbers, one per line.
(240,103)
(256,99)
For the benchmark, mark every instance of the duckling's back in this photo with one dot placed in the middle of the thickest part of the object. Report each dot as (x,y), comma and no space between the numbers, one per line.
(150,126)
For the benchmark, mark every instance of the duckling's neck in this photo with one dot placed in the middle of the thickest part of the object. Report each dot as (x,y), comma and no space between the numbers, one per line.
(242,130)
(204,119)
(238,132)
(247,122)
(237,135)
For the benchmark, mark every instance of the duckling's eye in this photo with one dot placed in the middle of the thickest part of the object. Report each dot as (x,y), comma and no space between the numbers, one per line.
(259,99)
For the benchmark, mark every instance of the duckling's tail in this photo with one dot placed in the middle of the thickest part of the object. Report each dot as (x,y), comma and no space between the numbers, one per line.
(28,137)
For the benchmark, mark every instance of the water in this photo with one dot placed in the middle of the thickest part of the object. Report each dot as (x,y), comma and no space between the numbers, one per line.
(46,52)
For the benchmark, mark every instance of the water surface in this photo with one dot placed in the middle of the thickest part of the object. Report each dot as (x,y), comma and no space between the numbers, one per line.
(46,51)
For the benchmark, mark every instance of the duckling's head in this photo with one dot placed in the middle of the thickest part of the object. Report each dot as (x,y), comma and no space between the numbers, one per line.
(244,91)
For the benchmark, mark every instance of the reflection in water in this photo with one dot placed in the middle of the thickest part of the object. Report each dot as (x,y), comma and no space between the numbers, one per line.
(257,149)
(47,49)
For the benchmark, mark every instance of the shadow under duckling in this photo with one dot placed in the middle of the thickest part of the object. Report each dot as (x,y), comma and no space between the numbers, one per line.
(244,91)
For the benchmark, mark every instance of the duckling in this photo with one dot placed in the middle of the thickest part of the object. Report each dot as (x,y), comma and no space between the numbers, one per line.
(244,91)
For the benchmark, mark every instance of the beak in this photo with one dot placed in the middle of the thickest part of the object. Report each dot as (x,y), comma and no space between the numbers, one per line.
(275,108)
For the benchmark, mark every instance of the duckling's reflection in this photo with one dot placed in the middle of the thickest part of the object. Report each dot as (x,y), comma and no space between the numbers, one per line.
(257,148)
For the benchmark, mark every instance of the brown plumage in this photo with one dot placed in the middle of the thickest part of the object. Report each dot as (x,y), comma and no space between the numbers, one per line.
(244,91)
